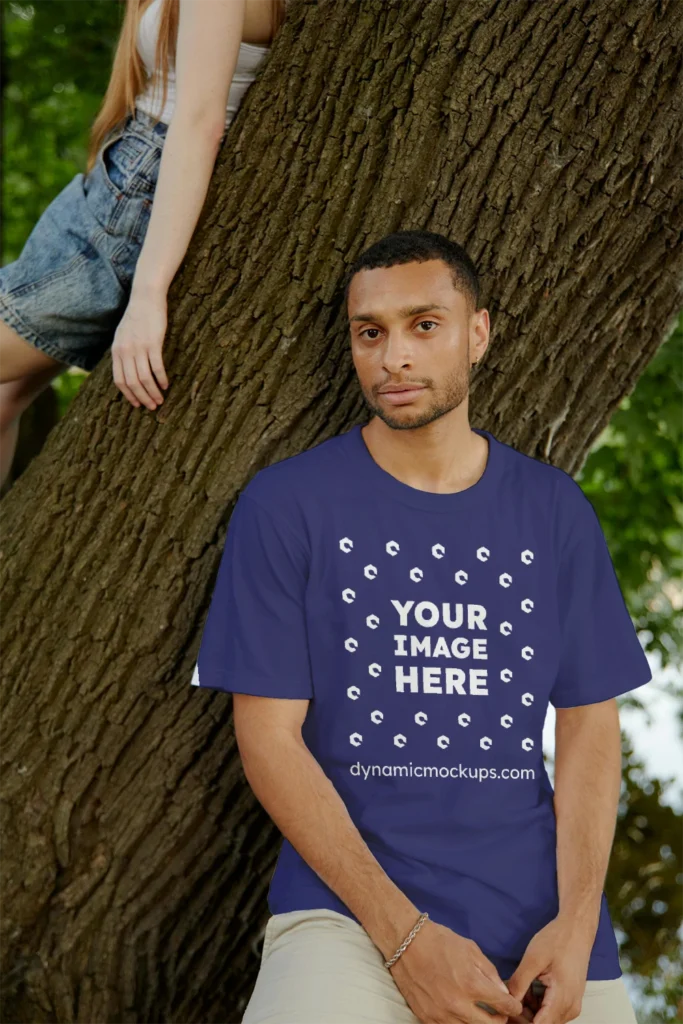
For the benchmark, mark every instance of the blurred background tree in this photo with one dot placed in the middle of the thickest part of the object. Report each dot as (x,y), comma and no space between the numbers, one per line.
(56,62)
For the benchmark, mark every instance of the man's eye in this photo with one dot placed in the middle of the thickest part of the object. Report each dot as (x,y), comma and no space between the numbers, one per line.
(376,331)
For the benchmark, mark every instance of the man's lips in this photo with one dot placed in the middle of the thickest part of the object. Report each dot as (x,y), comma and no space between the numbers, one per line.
(401,394)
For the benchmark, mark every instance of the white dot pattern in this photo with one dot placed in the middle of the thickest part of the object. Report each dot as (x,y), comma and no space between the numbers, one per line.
(416,574)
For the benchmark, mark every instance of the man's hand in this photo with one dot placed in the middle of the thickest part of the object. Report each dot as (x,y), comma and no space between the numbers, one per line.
(136,350)
(558,956)
(444,976)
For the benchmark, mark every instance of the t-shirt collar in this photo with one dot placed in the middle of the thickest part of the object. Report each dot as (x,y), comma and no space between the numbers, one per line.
(481,492)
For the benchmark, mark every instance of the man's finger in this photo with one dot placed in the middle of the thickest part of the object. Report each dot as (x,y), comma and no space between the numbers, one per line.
(494,991)
(494,1000)
(527,971)
(553,1008)
(488,1014)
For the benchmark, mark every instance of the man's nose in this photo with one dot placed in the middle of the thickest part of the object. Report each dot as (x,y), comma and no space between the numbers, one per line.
(397,354)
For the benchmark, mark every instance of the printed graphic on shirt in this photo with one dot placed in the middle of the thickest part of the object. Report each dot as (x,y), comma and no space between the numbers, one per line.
(460,633)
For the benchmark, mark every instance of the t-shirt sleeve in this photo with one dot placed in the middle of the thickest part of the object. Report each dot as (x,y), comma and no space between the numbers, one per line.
(600,653)
(255,637)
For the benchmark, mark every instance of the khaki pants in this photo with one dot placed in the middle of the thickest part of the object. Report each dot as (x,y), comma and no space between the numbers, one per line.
(321,967)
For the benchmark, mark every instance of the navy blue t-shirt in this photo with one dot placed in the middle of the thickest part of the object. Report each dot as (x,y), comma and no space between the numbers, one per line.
(429,631)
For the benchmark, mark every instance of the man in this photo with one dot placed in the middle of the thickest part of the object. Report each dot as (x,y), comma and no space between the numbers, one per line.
(394,609)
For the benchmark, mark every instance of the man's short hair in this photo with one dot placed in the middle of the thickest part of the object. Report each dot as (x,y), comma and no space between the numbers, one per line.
(418,246)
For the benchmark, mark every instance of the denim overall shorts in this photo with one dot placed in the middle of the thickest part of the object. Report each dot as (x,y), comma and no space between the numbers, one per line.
(69,287)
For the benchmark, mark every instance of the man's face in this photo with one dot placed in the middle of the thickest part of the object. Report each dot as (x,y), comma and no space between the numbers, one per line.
(408,324)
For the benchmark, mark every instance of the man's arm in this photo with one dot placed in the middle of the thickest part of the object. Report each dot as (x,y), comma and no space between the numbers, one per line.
(587,786)
(308,810)
(442,974)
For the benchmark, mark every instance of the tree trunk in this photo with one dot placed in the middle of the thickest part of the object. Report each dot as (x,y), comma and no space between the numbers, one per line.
(543,137)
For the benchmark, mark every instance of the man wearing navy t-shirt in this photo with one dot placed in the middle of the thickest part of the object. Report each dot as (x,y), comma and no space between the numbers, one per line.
(394,610)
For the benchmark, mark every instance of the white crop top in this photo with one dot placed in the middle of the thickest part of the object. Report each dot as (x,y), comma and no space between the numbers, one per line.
(249,57)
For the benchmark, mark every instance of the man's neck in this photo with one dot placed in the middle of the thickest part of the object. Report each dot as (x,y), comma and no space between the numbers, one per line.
(442,457)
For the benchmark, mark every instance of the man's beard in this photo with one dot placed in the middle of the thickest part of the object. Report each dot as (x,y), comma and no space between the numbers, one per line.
(450,396)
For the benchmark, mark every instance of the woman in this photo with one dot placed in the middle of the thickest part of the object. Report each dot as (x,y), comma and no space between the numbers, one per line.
(96,269)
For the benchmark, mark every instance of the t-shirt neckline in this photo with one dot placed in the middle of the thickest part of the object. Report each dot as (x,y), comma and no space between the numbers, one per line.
(376,477)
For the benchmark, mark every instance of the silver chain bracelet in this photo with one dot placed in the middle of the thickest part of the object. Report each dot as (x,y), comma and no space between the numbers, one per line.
(421,920)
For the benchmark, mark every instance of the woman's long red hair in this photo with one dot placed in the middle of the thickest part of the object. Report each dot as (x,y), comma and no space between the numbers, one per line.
(128,75)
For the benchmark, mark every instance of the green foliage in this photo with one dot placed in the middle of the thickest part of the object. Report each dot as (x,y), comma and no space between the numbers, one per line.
(643,884)
(634,478)
(67,385)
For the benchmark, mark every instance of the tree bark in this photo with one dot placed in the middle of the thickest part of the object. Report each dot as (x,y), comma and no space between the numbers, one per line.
(545,138)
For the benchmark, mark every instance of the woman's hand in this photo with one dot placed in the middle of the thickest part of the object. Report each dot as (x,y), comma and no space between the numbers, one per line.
(136,349)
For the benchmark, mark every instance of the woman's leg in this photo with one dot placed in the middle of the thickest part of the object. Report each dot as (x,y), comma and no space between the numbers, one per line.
(25,371)
(19,359)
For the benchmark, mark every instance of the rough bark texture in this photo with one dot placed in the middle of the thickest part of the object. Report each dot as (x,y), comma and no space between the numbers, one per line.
(545,137)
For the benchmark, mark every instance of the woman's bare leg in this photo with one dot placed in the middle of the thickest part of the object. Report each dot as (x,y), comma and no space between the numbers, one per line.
(25,371)
(18,358)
